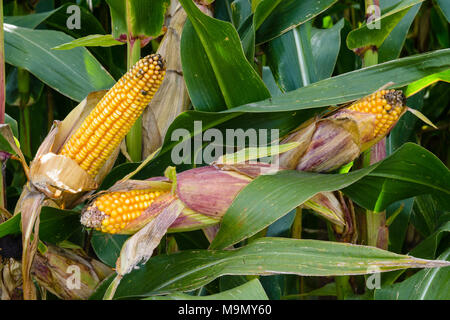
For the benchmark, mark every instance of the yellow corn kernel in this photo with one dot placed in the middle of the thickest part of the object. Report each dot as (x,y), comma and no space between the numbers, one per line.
(387,105)
(112,212)
(108,123)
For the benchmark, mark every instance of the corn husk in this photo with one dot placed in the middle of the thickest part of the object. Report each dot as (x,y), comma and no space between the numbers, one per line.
(10,280)
(55,180)
(57,270)
(172,97)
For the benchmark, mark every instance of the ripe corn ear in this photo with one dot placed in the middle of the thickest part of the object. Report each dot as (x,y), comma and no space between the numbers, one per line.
(112,212)
(109,122)
(386,105)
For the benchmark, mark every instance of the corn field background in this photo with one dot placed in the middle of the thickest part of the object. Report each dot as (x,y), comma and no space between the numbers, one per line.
(374,227)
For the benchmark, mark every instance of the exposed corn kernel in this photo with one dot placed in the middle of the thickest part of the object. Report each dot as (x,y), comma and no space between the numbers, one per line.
(112,212)
(108,123)
(387,105)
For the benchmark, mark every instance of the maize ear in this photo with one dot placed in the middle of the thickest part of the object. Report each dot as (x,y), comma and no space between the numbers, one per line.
(387,105)
(112,212)
(109,122)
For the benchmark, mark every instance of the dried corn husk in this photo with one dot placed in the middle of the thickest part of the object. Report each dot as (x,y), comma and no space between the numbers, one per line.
(172,98)
(68,274)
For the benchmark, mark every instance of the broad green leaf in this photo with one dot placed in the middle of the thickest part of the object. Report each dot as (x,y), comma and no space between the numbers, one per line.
(427,248)
(356,84)
(263,10)
(74,73)
(10,226)
(393,44)
(325,45)
(399,227)
(373,34)
(30,20)
(188,270)
(445,7)
(425,216)
(287,15)
(427,284)
(410,171)
(94,40)
(269,80)
(107,246)
(239,83)
(251,290)
(420,84)
(55,225)
(145,18)
(290,59)
(204,90)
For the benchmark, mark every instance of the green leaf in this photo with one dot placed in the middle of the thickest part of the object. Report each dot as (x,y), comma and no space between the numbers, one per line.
(57,225)
(445,8)
(371,35)
(325,45)
(30,20)
(75,73)
(409,171)
(427,81)
(356,84)
(393,44)
(239,83)
(188,270)
(94,40)
(287,15)
(107,246)
(204,90)
(427,284)
(144,18)
(290,58)
(251,290)
(10,226)
(427,248)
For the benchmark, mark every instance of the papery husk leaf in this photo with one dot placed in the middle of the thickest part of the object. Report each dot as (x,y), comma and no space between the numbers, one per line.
(172,97)
(58,176)
(52,271)
(332,145)
(139,248)
(303,136)
(208,190)
(10,279)
(328,206)
(251,169)
(190,220)
(30,209)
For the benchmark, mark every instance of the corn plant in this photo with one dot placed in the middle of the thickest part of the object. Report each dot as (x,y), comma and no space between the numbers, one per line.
(220,149)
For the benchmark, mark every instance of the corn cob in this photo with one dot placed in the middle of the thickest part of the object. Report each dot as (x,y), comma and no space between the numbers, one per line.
(206,193)
(387,105)
(108,123)
(112,212)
